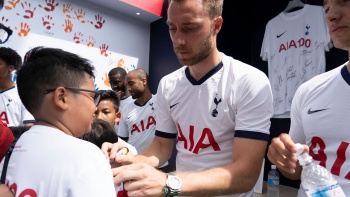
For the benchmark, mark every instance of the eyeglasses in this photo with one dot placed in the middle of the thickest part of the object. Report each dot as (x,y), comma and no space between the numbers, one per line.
(96,98)
(5,33)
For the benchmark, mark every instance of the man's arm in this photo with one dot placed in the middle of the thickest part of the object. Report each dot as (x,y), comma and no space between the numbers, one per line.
(236,177)
(5,191)
(157,152)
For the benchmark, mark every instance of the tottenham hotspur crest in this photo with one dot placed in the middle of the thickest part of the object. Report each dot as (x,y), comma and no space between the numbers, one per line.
(215,112)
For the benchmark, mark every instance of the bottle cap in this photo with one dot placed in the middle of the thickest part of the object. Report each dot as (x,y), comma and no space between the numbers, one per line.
(273,167)
(303,158)
(300,149)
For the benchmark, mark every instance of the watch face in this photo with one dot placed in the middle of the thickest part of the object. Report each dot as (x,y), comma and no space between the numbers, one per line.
(174,183)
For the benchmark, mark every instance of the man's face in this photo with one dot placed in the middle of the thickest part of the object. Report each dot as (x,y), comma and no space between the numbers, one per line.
(81,108)
(117,84)
(191,31)
(338,22)
(135,86)
(5,70)
(105,111)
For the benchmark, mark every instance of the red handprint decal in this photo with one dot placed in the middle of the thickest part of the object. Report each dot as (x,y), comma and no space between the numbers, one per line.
(50,5)
(104,49)
(67,9)
(77,37)
(68,26)
(120,63)
(80,15)
(29,11)
(47,22)
(99,21)
(12,3)
(25,29)
(91,42)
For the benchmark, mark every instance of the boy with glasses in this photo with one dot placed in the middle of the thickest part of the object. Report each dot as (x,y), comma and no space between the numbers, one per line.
(57,87)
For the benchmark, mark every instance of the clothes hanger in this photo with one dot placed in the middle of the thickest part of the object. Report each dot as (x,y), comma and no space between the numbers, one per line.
(294,5)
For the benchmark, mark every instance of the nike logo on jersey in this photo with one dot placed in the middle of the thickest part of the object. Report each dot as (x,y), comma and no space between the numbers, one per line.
(280,34)
(171,106)
(314,111)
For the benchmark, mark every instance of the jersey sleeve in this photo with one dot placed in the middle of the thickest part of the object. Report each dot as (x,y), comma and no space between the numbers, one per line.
(123,130)
(254,104)
(165,123)
(27,117)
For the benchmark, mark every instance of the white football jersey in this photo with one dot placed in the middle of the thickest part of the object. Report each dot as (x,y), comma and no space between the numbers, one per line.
(12,111)
(139,123)
(320,119)
(47,162)
(232,100)
(122,104)
(294,45)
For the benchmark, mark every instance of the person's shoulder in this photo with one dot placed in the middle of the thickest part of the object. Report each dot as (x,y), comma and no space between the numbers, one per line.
(239,67)
(320,79)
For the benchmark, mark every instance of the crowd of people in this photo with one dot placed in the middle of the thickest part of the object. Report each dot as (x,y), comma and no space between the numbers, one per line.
(215,109)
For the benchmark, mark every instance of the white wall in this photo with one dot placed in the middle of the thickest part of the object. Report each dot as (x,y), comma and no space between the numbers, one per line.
(35,23)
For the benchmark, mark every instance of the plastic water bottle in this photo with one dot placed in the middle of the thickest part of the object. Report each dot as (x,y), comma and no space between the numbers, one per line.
(273,182)
(316,180)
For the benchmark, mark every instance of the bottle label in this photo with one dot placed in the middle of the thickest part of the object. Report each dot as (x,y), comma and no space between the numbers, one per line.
(332,191)
(329,191)
(273,182)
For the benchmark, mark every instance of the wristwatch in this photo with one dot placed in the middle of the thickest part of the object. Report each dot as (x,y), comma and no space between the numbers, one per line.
(172,185)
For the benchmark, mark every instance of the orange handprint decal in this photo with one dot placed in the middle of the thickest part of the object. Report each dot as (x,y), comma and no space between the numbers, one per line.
(80,15)
(50,5)
(12,3)
(67,9)
(120,63)
(77,37)
(104,49)
(25,29)
(106,80)
(47,22)
(29,11)
(99,21)
(69,26)
(91,42)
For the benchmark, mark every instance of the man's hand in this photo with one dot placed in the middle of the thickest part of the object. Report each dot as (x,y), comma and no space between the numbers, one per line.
(110,151)
(5,191)
(140,179)
(281,153)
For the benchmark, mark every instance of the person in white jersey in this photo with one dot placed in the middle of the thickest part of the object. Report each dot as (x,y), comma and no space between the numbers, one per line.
(12,111)
(116,77)
(49,159)
(138,123)
(217,110)
(320,112)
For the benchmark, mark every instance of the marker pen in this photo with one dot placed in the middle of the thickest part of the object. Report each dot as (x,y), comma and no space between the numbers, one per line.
(123,151)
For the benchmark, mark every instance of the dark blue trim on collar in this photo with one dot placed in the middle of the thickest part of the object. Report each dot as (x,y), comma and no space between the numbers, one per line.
(252,135)
(125,98)
(7,89)
(203,79)
(345,74)
(143,104)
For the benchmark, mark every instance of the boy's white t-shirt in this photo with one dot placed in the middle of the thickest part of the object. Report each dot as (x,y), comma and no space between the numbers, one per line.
(47,162)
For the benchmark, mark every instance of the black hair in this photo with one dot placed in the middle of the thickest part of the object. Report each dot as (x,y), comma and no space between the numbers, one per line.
(101,132)
(118,70)
(46,68)
(111,96)
(11,57)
